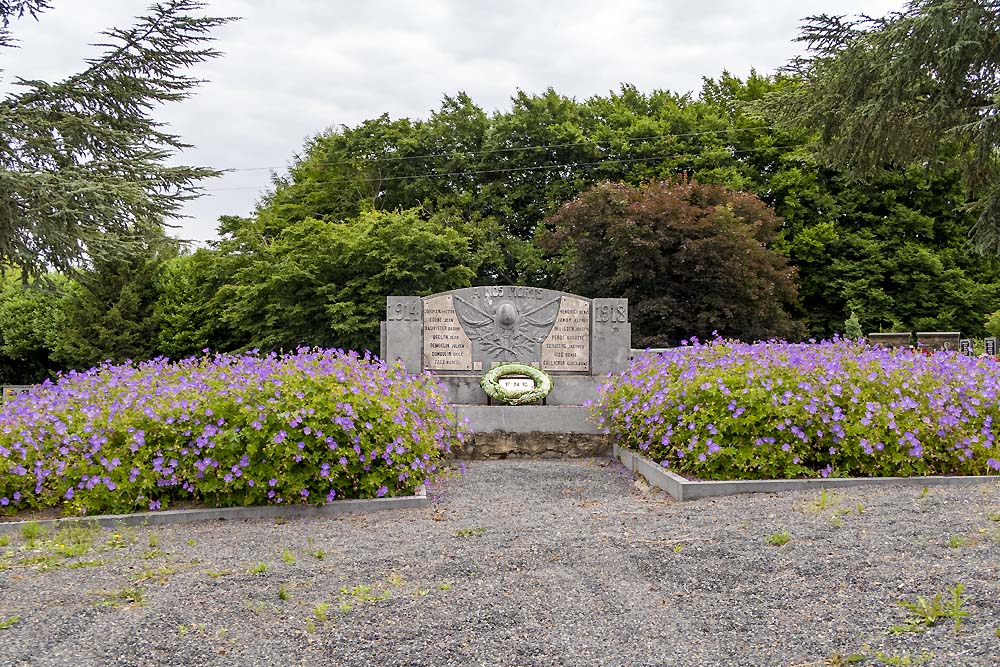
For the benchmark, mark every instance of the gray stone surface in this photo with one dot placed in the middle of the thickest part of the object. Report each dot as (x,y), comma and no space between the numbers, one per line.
(500,445)
(895,339)
(527,418)
(938,340)
(167,517)
(611,336)
(528,564)
(566,389)
(471,330)
(404,317)
(684,489)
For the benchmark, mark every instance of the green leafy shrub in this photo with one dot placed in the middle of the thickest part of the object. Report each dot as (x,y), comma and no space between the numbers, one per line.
(309,426)
(729,410)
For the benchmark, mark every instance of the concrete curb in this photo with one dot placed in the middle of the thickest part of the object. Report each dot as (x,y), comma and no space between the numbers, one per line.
(683,489)
(231,513)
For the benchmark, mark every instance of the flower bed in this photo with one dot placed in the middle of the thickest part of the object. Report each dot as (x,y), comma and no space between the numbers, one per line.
(225,429)
(729,410)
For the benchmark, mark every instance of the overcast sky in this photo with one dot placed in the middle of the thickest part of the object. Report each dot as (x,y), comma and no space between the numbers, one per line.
(292,68)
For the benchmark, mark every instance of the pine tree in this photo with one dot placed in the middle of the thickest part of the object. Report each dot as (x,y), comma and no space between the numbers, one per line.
(920,85)
(82,162)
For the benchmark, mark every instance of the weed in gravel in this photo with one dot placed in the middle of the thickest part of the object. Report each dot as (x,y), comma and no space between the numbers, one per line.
(222,633)
(991,517)
(160,574)
(904,659)
(836,521)
(860,508)
(363,593)
(154,541)
(320,611)
(200,628)
(469,532)
(957,541)
(825,501)
(445,586)
(678,548)
(116,541)
(344,607)
(998,632)
(924,613)
(10,622)
(128,596)
(85,563)
(924,492)
(421,592)
(310,626)
(190,543)
(260,567)
(837,659)
(33,532)
(151,554)
(318,554)
(42,562)
(779,539)
(255,607)
(5,540)
(395,579)
(215,574)
(283,593)
(288,556)
(71,541)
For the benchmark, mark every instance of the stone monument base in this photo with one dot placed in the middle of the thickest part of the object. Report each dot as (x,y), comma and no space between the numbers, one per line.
(499,445)
(566,389)
(527,418)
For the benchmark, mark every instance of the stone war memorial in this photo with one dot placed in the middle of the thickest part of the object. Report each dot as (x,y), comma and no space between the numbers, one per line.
(469,334)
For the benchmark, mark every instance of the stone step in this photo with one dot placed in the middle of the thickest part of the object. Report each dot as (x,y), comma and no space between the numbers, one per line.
(528,418)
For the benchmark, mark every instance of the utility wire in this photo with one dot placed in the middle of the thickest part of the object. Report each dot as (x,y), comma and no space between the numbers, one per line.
(397,158)
(506,170)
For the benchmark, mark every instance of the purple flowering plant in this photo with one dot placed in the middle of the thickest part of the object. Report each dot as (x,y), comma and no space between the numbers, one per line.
(226,429)
(731,410)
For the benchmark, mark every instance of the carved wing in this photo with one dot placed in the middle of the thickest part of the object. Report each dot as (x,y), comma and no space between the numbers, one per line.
(476,321)
(537,323)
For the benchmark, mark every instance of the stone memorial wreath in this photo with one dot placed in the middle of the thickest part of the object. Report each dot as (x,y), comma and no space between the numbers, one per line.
(491,384)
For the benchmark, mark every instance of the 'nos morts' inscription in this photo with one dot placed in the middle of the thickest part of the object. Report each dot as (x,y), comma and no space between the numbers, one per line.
(446,346)
(567,347)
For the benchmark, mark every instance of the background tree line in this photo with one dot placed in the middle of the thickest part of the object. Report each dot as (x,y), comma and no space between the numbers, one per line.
(706,212)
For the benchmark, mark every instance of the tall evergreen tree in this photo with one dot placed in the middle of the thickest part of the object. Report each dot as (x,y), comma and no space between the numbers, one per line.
(82,161)
(890,91)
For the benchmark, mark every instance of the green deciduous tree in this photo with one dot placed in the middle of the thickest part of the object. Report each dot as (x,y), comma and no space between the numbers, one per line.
(28,317)
(690,258)
(83,171)
(324,283)
(110,311)
(920,85)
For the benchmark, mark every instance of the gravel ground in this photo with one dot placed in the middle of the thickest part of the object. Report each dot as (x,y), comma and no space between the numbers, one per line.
(525,563)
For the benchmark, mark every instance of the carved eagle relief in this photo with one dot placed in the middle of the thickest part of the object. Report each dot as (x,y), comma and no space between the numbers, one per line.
(506,333)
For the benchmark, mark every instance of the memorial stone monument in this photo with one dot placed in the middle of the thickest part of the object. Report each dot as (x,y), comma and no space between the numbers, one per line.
(461,334)
(894,339)
(939,340)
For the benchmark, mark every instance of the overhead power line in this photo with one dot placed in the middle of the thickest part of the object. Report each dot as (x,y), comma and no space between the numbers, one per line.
(507,170)
(492,151)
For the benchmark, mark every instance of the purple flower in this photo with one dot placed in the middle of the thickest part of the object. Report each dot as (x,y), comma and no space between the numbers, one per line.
(381,491)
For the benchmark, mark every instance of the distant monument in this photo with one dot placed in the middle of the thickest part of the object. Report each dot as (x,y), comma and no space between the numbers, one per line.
(461,334)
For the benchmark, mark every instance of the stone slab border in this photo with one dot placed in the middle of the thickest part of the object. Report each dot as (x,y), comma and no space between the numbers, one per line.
(683,489)
(167,517)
